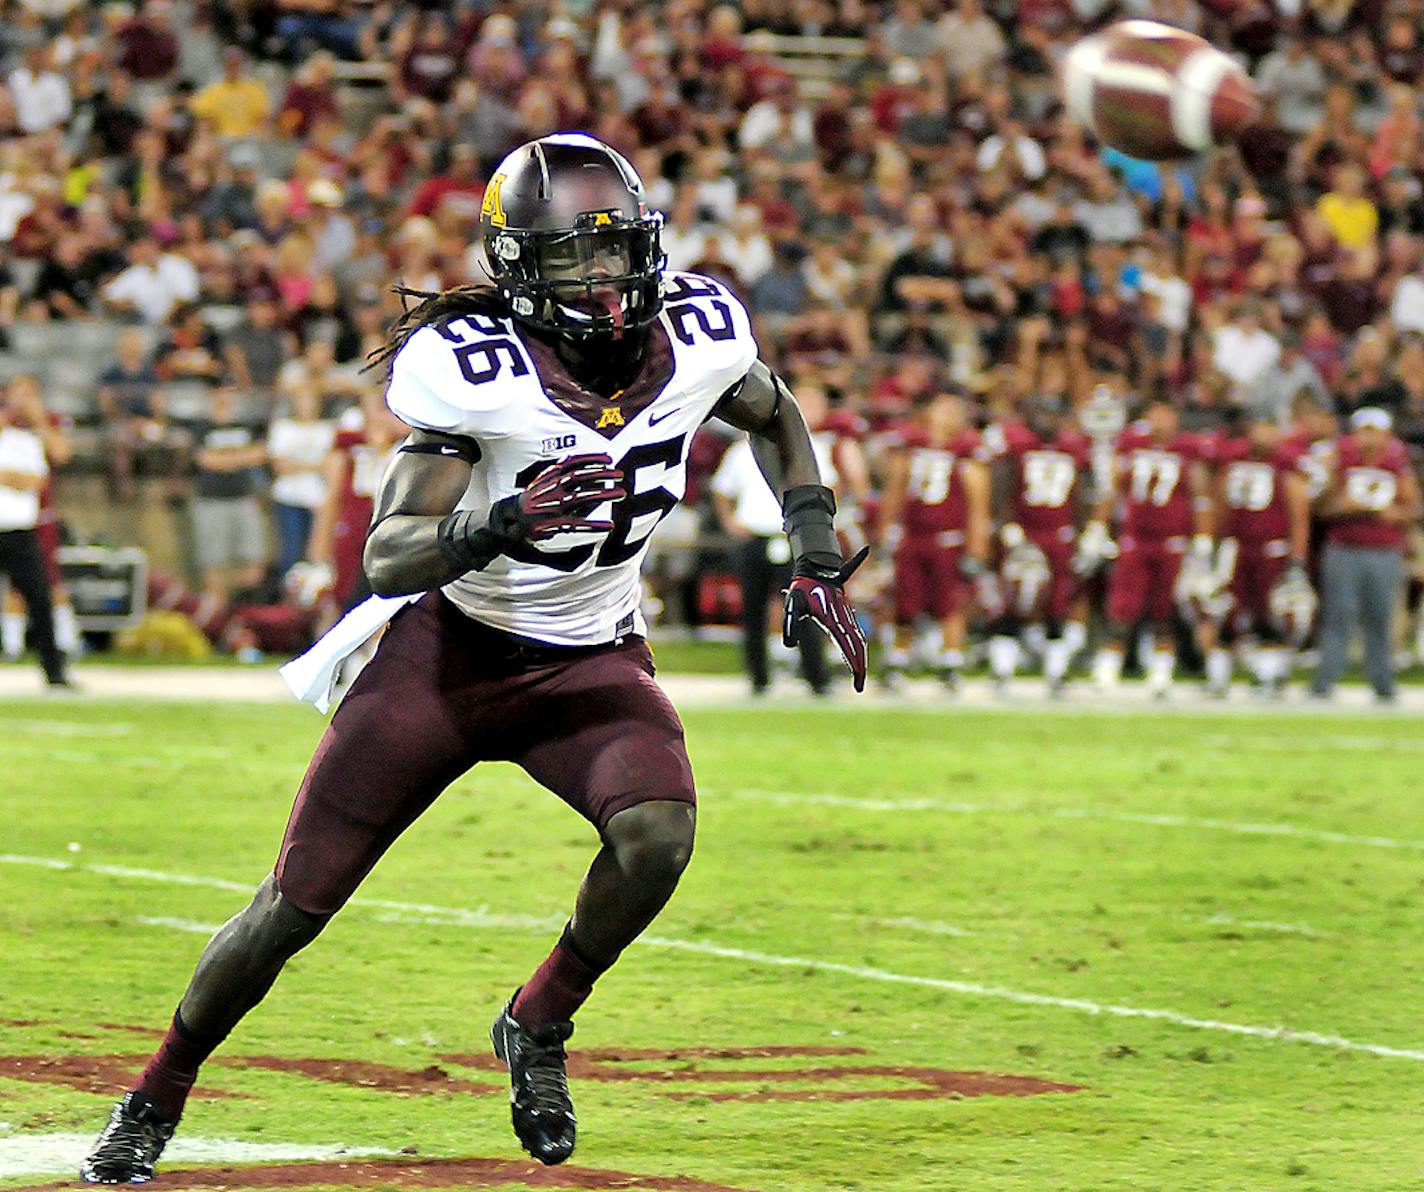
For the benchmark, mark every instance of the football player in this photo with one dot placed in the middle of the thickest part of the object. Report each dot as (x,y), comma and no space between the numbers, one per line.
(1262,502)
(1040,476)
(934,520)
(1161,480)
(552,412)
(365,442)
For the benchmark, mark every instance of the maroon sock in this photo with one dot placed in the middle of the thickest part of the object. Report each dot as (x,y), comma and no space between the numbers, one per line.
(173,1069)
(559,987)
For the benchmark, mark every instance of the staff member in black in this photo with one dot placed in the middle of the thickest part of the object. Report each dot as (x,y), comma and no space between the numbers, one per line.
(23,470)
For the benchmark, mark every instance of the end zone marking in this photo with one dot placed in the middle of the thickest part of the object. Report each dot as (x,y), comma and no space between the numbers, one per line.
(1280,1034)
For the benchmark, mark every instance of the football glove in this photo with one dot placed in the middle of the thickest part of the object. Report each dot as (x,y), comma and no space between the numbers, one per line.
(817,594)
(557,501)
(1292,600)
(1026,571)
(1197,580)
(1095,548)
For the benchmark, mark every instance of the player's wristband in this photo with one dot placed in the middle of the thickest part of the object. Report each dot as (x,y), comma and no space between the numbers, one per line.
(468,544)
(809,513)
(1011,534)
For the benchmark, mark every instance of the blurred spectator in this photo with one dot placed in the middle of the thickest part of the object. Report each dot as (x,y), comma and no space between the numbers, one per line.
(131,403)
(39,93)
(256,348)
(1242,350)
(1296,81)
(236,105)
(155,282)
(190,352)
(1347,211)
(229,531)
(309,96)
(148,44)
(1278,385)
(297,446)
(969,40)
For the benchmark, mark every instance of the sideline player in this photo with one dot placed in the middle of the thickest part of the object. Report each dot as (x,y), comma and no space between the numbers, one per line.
(1161,478)
(1262,502)
(1041,474)
(553,411)
(934,519)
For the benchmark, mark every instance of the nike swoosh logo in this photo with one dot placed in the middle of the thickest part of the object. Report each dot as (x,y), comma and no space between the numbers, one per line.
(653,421)
(446,449)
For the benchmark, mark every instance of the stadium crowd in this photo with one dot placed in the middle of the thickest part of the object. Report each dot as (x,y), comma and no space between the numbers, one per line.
(204,206)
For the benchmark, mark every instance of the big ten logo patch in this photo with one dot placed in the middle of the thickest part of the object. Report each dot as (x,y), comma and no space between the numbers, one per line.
(561,443)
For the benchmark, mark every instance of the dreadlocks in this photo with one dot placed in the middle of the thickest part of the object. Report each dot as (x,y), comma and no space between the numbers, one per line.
(432,308)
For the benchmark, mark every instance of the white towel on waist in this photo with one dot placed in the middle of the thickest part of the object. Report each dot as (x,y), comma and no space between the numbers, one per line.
(312,677)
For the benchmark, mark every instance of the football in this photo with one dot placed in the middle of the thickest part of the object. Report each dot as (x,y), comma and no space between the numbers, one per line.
(1156,92)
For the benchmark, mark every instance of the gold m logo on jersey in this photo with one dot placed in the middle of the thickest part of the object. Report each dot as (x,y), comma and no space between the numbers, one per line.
(492,208)
(611,416)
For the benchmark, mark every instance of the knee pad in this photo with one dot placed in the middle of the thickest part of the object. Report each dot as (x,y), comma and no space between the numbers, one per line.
(654,839)
(276,928)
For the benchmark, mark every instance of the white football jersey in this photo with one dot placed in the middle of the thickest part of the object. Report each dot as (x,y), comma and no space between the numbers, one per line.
(485,379)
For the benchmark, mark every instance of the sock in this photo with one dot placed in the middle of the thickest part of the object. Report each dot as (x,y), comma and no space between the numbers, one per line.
(1075,637)
(1003,656)
(1107,667)
(12,634)
(1036,639)
(898,658)
(173,1069)
(1056,656)
(66,629)
(951,660)
(1270,664)
(1159,669)
(1218,668)
(558,987)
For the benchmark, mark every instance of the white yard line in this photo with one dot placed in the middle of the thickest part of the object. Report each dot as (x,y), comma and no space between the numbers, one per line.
(1225,920)
(452,915)
(44,1154)
(927,926)
(1245,828)
(67,728)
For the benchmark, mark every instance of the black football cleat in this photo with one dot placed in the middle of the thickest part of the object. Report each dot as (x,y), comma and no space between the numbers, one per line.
(539,1100)
(130,1144)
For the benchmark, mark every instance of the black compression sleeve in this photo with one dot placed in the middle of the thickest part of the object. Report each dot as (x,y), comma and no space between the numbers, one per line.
(454,446)
(809,513)
(466,543)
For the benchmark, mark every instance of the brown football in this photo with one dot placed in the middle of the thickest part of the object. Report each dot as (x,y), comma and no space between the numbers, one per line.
(1156,92)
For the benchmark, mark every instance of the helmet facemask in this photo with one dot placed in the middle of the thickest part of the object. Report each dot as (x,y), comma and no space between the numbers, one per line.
(601,278)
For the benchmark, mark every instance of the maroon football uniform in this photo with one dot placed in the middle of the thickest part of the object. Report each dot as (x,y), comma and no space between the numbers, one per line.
(1375,485)
(1045,503)
(933,523)
(365,463)
(1156,497)
(1256,519)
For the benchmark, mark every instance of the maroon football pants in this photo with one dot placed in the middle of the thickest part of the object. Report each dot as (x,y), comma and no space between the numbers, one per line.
(444,692)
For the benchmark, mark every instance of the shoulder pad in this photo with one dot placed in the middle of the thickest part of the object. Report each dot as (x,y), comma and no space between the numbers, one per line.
(453,379)
(702,315)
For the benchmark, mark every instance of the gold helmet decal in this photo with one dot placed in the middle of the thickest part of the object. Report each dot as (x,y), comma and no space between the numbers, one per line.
(491,208)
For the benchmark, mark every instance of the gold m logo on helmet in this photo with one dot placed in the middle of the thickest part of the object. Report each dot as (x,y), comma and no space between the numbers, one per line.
(492,208)
(611,416)
(602,219)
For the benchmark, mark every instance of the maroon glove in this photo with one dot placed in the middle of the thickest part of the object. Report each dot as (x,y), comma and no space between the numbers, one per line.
(559,500)
(817,594)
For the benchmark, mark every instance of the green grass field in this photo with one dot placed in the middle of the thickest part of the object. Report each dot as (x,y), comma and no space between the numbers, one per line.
(1209,924)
